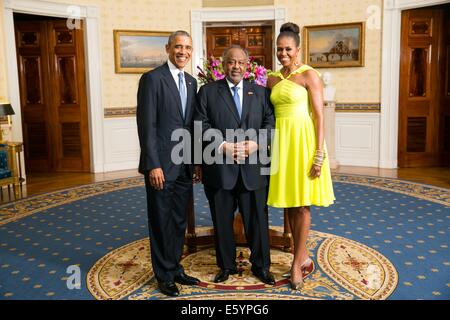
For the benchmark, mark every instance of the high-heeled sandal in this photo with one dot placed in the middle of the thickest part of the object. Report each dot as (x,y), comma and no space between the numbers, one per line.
(305,268)
(297,285)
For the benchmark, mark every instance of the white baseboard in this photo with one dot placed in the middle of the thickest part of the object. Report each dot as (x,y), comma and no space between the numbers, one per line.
(118,166)
(388,164)
(358,162)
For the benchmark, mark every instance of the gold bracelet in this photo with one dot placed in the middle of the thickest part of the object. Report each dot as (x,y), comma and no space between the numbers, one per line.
(319,164)
(318,160)
(319,157)
(320,153)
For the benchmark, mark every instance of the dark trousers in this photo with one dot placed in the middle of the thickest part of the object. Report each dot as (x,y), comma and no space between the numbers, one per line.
(252,204)
(167,224)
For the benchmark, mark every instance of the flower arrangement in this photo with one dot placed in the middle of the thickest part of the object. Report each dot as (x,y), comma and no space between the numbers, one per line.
(213,70)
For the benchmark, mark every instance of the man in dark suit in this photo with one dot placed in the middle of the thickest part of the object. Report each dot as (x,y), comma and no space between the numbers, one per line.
(235,104)
(166,102)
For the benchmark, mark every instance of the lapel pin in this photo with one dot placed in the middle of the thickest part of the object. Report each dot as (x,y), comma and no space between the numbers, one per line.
(189,83)
(250,93)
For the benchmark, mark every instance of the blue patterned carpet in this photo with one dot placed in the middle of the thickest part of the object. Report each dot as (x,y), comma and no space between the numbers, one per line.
(406,224)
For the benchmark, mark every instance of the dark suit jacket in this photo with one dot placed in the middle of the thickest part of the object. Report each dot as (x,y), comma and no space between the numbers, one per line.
(159,113)
(216,109)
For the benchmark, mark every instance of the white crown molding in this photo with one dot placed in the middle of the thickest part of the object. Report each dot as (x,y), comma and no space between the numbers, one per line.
(280,13)
(196,16)
(410,4)
(51,8)
(43,8)
(239,14)
(92,12)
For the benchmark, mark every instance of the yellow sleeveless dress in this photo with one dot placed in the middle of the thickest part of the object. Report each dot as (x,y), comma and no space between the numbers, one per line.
(293,149)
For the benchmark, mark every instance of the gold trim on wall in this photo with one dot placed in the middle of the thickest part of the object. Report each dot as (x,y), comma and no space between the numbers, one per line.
(237,3)
(125,112)
(358,107)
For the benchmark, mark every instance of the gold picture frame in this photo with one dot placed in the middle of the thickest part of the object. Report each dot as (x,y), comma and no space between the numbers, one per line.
(139,51)
(334,45)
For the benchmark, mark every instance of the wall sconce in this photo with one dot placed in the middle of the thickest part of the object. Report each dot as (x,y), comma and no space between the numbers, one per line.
(6,110)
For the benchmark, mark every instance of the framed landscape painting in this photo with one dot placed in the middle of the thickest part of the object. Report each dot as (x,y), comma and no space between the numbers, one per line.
(139,51)
(334,45)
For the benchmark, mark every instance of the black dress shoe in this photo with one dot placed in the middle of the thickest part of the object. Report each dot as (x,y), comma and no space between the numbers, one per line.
(223,275)
(169,288)
(265,276)
(183,278)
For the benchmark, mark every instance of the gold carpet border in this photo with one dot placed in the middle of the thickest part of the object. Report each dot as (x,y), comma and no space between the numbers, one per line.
(409,188)
(23,208)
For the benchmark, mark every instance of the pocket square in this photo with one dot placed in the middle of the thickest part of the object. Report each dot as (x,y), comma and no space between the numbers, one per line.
(250,93)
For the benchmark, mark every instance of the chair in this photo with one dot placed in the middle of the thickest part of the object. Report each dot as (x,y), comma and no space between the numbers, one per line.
(9,175)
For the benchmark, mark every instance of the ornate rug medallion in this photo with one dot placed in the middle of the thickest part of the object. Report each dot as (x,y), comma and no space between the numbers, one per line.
(202,265)
(345,269)
(358,268)
(121,271)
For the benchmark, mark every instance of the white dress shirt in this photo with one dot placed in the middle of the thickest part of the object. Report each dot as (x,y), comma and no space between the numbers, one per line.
(175,71)
(240,87)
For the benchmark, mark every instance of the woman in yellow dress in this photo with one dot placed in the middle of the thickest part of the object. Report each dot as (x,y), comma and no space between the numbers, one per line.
(300,173)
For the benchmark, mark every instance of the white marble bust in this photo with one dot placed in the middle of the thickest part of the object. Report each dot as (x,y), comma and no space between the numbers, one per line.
(329,92)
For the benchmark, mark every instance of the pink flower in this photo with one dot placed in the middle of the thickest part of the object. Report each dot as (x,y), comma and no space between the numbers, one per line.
(213,70)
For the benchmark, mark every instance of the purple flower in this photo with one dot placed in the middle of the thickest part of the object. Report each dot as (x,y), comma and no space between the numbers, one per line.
(213,70)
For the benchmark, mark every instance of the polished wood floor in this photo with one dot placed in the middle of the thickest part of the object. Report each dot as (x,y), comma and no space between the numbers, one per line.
(437,176)
(37,183)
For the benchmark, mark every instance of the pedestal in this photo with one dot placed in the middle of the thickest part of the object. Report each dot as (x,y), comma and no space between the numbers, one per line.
(329,124)
(194,238)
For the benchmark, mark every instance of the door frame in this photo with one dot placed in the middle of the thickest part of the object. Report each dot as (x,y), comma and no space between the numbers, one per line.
(90,16)
(390,76)
(200,16)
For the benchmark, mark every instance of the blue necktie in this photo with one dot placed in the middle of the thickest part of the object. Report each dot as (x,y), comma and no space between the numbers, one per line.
(237,101)
(182,89)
